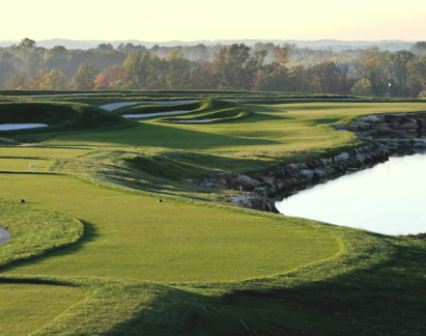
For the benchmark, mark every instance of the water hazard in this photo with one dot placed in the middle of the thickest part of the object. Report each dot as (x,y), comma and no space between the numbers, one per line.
(388,198)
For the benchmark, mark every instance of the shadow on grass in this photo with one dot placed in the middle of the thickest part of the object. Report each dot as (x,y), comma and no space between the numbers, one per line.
(171,136)
(388,299)
(90,234)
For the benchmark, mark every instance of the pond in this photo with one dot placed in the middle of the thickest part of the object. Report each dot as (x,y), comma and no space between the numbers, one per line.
(388,198)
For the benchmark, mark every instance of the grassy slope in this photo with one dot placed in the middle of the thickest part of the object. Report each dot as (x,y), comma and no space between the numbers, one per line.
(26,309)
(34,232)
(375,286)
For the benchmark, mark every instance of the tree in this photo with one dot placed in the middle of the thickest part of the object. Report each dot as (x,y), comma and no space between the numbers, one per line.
(136,66)
(7,67)
(16,82)
(27,43)
(177,70)
(108,78)
(54,80)
(202,76)
(362,88)
(84,78)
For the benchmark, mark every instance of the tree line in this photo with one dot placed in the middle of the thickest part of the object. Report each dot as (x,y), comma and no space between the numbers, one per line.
(264,67)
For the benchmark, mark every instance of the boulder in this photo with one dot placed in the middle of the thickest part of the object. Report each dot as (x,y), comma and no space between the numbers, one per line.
(247,182)
(341,157)
(240,201)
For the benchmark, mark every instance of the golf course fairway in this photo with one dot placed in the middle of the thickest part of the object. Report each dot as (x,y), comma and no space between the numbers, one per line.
(133,236)
(115,232)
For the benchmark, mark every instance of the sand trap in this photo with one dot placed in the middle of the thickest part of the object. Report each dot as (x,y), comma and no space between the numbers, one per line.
(14,127)
(149,115)
(116,106)
(194,121)
(4,236)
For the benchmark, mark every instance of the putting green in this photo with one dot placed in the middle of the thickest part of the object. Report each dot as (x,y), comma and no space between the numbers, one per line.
(25,308)
(132,236)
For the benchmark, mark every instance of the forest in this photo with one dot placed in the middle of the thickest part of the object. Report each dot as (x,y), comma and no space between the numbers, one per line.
(263,67)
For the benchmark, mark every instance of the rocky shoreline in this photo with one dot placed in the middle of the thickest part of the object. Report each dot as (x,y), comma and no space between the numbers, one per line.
(383,135)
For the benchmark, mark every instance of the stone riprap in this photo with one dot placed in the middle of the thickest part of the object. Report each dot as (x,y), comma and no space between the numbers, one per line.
(383,136)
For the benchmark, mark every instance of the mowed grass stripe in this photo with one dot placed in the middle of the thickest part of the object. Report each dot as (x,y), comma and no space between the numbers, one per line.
(132,236)
(24,309)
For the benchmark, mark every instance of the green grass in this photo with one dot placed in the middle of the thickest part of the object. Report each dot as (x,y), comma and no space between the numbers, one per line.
(132,236)
(59,116)
(24,165)
(34,232)
(188,267)
(26,309)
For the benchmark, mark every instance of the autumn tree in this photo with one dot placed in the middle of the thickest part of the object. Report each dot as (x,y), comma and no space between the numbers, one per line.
(84,78)
(53,80)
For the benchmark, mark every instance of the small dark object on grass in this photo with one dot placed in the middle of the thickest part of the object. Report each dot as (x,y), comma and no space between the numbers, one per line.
(22,200)
(160,201)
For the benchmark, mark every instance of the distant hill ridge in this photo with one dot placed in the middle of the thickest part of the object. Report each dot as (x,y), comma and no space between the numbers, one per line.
(391,45)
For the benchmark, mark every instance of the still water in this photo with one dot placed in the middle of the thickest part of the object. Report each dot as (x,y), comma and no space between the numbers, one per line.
(389,198)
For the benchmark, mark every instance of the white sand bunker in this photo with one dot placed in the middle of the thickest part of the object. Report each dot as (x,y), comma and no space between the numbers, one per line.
(4,236)
(14,127)
(116,106)
(149,115)
(194,121)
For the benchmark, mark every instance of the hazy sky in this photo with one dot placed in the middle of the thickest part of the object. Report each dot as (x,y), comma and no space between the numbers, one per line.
(156,20)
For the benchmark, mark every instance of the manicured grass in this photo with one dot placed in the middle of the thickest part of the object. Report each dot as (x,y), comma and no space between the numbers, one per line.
(132,236)
(220,270)
(24,309)
(41,152)
(23,165)
(272,130)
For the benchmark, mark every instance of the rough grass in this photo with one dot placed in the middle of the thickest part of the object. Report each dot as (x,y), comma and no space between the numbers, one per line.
(34,232)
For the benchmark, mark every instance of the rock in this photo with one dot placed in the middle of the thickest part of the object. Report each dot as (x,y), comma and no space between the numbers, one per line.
(307,174)
(210,182)
(240,201)
(247,182)
(227,175)
(320,174)
(341,157)
(268,180)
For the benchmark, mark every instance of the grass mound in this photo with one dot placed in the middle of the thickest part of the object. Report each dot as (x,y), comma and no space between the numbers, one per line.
(147,109)
(211,111)
(7,142)
(34,232)
(59,116)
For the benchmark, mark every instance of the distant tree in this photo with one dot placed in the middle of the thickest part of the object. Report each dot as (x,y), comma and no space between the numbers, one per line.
(178,69)
(103,47)
(326,77)
(137,67)
(53,80)
(202,76)
(7,67)
(84,78)
(108,78)
(16,81)
(400,61)
(27,43)
(420,47)
(362,88)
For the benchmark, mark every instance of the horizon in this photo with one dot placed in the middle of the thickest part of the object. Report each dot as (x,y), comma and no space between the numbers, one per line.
(186,21)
